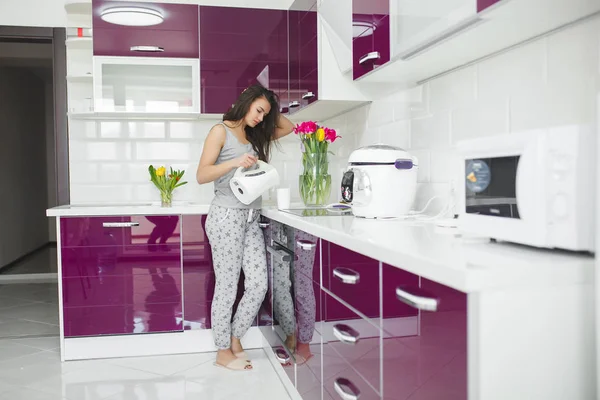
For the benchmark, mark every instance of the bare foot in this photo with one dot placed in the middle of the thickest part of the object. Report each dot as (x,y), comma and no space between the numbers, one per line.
(224,357)
(290,343)
(236,345)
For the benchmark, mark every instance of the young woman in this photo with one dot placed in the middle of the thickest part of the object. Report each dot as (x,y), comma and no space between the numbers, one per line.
(245,136)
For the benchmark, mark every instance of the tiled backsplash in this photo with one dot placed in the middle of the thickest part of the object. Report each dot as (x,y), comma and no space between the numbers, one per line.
(548,82)
(109,159)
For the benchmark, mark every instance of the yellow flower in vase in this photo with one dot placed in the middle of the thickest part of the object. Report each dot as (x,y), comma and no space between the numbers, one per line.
(320,134)
(166,184)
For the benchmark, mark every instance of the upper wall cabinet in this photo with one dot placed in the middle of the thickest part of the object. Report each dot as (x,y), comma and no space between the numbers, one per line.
(429,37)
(240,47)
(370,35)
(120,29)
(321,59)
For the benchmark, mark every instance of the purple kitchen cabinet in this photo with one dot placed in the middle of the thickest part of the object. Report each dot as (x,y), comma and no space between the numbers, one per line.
(483,4)
(198,275)
(371,45)
(352,277)
(176,17)
(351,353)
(129,42)
(118,277)
(240,47)
(432,362)
(303,54)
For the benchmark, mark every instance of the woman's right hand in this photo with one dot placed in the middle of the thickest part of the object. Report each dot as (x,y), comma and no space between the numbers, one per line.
(245,161)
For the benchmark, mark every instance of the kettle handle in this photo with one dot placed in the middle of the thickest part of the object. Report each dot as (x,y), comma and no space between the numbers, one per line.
(260,165)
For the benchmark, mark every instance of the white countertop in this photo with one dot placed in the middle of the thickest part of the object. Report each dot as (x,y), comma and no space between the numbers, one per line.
(439,254)
(465,264)
(81,210)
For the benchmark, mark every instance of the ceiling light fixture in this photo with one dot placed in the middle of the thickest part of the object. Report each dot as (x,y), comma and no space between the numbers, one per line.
(362,28)
(131,16)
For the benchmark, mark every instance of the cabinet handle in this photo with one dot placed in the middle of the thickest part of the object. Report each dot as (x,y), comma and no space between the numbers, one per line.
(417,299)
(279,255)
(282,355)
(346,333)
(346,275)
(263,225)
(119,224)
(374,55)
(294,104)
(305,244)
(308,95)
(147,49)
(341,384)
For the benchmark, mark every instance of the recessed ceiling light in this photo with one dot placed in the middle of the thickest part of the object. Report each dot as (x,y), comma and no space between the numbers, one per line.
(132,16)
(362,28)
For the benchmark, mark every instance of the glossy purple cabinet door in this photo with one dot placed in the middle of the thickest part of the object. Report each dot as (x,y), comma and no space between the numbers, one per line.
(352,277)
(198,275)
(432,362)
(120,275)
(483,4)
(240,47)
(176,17)
(126,42)
(351,353)
(371,47)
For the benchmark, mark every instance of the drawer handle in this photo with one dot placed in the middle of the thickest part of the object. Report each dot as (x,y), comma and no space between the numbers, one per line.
(346,389)
(263,225)
(346,275)
(119,224)
(147,49)
(294,104)
(346,333)
(374,55)
(305,244)
(417,300)
(308,95)
(279,255)
(282,355)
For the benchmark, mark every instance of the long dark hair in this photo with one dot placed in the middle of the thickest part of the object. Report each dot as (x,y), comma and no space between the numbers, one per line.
(261,135)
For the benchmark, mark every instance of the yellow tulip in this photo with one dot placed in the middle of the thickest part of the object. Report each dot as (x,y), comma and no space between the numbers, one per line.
(160,171)
(320,134)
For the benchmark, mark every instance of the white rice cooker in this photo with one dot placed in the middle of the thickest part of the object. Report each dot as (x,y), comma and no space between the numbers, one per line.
(380,182)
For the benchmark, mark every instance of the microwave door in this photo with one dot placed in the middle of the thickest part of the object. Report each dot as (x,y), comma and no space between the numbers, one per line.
(491,186)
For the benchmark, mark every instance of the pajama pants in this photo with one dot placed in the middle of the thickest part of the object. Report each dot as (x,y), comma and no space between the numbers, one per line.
(237,243)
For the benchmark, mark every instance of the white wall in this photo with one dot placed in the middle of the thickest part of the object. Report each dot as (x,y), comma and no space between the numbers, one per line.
(549,82)
(45,13)
(23,195)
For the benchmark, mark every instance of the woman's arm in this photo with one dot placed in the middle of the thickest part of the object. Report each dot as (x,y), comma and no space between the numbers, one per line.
(284,127)
(207,170)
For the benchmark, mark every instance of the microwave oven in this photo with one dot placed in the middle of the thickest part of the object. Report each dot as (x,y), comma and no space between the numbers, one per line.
(535,188)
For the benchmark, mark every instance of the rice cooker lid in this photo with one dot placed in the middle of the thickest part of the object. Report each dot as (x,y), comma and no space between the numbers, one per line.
(381,154)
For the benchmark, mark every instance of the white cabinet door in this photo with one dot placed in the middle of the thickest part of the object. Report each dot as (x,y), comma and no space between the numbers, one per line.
(419,23)
(144,84)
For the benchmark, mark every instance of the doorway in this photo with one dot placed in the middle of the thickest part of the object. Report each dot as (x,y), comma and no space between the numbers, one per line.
(33,150)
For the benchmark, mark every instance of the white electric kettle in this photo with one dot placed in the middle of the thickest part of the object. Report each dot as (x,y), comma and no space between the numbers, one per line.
(248,185)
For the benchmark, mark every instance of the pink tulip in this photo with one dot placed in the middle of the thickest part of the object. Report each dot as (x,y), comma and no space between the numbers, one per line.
(331,135)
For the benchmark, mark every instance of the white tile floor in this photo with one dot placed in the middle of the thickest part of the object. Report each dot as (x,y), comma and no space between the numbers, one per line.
(30,366)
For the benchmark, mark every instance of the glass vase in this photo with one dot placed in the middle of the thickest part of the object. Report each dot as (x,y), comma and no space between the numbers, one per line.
(315,180)
(166,199)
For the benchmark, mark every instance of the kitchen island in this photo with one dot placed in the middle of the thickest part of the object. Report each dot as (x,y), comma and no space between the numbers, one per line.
(519,322)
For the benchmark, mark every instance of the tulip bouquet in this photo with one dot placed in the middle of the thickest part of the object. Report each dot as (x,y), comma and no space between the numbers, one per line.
(166,183)
(315,180)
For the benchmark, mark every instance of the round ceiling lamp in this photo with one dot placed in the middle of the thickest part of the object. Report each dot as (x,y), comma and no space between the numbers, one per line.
(131,16)
(362,28)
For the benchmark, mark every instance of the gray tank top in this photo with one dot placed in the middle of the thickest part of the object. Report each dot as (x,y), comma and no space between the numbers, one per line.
(232,148)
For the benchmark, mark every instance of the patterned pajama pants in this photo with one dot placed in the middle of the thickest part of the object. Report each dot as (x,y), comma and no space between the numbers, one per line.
(237,243)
